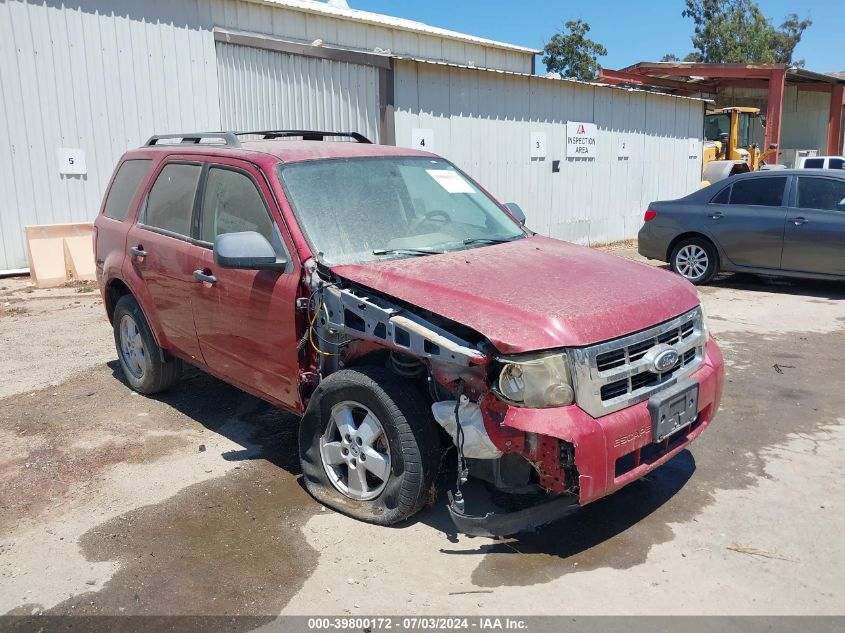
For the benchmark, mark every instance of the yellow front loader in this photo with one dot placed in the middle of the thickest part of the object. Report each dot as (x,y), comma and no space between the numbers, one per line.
(728,148)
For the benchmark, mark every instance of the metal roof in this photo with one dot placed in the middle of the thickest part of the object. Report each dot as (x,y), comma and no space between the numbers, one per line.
(377,19)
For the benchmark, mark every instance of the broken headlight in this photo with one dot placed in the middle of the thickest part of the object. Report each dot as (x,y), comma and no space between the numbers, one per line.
(536,382)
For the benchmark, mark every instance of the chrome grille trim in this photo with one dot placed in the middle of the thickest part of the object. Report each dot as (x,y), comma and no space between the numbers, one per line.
(622,359)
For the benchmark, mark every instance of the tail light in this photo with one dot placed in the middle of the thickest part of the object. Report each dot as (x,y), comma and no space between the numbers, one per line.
(650,215)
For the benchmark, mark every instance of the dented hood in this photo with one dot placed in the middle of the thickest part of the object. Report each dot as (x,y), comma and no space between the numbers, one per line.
(533,294)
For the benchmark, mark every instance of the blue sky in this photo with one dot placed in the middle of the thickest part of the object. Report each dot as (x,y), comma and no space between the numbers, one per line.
(631,30)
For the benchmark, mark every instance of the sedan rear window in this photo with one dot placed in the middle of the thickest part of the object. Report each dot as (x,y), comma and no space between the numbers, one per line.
(825,194)
(758,192)
(124,187)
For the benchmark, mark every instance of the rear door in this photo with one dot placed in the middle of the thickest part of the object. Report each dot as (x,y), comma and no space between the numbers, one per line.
(746,219)
(157,247)
(245,319)
(814,235)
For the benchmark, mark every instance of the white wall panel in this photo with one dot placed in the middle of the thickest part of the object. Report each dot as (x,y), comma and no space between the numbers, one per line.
(482,121)
(268,90)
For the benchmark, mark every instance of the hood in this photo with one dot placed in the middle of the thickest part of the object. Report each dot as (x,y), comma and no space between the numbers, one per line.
(533,294)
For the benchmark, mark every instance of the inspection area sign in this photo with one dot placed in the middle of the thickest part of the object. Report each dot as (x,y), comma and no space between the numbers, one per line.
(580,139)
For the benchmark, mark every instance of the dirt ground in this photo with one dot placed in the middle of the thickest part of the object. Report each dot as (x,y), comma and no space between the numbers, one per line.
(190,503)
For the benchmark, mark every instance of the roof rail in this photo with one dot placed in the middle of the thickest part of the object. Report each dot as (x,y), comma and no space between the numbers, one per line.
(307,135)
(229,138)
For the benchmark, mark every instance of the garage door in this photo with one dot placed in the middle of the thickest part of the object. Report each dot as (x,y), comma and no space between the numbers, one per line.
(264,89)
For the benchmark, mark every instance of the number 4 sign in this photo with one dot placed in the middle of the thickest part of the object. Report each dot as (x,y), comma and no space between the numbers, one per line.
(71,161)
(422,139)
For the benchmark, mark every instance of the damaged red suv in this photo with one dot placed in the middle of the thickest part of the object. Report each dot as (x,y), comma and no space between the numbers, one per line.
(405,314)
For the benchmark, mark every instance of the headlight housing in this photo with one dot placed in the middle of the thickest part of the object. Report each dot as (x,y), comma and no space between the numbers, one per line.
(536,382)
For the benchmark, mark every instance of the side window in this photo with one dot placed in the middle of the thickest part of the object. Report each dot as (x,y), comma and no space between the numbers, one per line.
(814,163)
(758,192)
(232,204)
(723,197)
(836,163)
(124,187)
(825,194)
(171,201)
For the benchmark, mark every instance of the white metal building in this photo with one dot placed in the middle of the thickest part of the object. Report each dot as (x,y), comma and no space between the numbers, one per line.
(96,77)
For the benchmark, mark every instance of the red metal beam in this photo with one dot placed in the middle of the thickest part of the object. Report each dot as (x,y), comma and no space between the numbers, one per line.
(739,71)
(834,122)
(777,81)
(617,77)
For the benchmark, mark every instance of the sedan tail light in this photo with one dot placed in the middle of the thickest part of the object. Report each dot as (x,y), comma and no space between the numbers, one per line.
(650,215)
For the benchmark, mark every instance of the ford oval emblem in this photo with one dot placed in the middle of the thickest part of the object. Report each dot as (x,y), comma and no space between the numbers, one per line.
(665,360)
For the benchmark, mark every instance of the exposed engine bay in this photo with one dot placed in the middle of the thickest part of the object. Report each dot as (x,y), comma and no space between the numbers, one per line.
(346,324)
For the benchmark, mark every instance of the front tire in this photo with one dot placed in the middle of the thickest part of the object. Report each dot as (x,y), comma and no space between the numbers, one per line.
(368,446)
(695,259)
(141,359)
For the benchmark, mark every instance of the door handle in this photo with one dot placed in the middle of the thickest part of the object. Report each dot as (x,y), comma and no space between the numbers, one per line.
(137,251)
(799,221)
(717,216)
(201,275)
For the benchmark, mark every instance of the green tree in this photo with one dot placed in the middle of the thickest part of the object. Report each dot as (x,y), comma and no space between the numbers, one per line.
(572,54)
(737,31)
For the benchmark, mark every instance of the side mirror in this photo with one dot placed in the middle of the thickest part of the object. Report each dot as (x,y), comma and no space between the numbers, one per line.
(248,251)
(516,211)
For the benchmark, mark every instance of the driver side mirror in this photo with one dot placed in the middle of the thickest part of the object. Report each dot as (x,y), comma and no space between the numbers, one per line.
(247,251)
(516,211)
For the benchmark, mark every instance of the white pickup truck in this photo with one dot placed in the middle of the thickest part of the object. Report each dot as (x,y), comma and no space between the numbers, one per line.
(822,162)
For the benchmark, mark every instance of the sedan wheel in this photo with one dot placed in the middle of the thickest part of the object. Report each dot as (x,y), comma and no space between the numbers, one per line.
(692,262)
(355,451)
(695,260)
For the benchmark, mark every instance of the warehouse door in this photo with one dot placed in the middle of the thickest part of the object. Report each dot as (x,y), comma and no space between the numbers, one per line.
(263,89)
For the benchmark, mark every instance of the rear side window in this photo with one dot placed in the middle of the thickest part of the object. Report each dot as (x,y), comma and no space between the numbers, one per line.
(758,192)
(232,204)
(723,197)
(825,194)
(171,200)
(124,187)
(836,163)
(814,163)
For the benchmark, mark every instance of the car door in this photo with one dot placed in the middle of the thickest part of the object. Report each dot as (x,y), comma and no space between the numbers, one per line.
(245,319)
(746,219)
(814,234)
(158,251)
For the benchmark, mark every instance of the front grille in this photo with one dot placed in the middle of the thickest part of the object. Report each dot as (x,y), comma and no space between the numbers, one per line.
(616,374)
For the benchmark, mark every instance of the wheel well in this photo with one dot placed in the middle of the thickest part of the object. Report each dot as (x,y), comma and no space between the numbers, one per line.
(114,291)
(686,236)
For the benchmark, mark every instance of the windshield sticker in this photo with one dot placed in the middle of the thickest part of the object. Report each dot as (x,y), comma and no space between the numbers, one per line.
(450,180)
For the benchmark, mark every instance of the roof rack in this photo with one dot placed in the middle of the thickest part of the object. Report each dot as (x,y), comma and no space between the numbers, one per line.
(307,135)
(229,138)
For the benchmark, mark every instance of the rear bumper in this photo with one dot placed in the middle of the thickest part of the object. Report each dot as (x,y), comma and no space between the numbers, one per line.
(652,242)
(616,449)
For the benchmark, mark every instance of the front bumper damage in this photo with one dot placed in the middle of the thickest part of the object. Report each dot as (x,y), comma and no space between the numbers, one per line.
(609,452)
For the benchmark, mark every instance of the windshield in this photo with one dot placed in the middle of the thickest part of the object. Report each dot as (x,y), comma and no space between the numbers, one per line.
(366,209)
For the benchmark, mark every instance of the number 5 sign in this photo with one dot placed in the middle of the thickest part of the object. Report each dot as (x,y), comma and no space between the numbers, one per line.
(71,161)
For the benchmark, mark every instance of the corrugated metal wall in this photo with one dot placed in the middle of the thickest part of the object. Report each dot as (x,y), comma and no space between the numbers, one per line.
(266,90)
(104,75)
(483,121)
(98,76)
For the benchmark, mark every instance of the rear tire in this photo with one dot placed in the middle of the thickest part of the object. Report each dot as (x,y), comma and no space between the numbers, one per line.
(140,357)
(368,446)
(695,259)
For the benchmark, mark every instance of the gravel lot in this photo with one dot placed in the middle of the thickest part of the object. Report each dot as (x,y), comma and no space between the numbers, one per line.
(189,503)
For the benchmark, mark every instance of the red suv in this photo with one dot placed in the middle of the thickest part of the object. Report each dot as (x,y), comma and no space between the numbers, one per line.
(390,301)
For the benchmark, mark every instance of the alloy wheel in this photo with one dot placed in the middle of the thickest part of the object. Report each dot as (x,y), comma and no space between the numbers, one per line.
(692,262)
(355,451)
(132,346)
